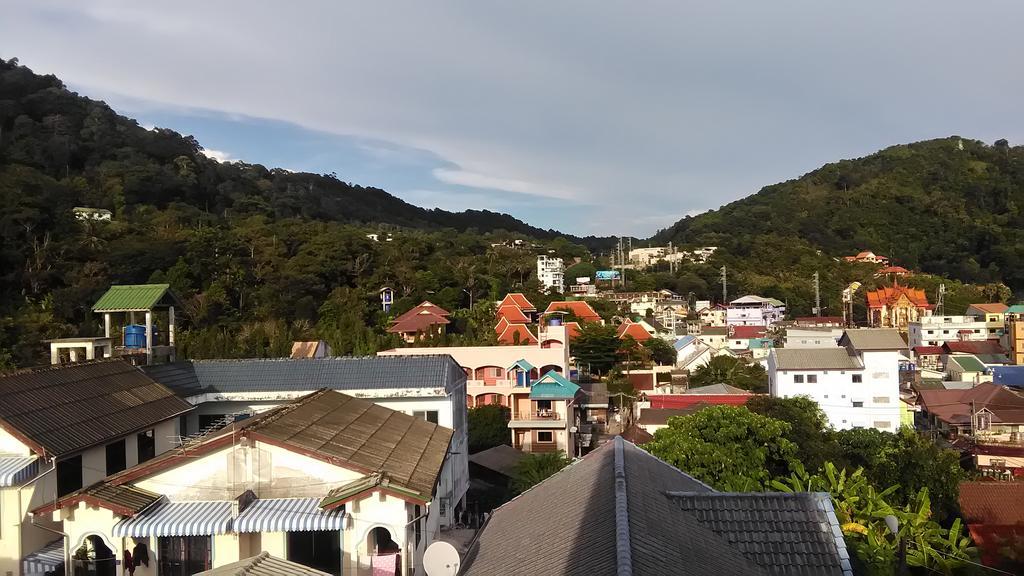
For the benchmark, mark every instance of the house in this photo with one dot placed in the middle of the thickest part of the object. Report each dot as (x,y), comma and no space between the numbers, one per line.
(819,322)
(430,387)
(992,412)
(967,368)
(714,395)
(896,306)
(423,321)
(711,315)
(937,330)
(329,481)
(68,426)
(928,357)
(315,349)
(551,273)
(544,415)
(868,257)
(620,510)
(692,352)
(515,335)
(994,514)
(988,351)
(1014,337)
(715,336)
(750,338)
(634,330)
(577,310)
(856,384)
(993,314)
(653,419)
(491,473)
(812,337)
(594,405)
(893,271)
(92,214)
(754,311)
(519,300)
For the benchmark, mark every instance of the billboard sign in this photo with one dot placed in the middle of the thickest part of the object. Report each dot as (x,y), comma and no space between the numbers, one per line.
(583,280)
(608,275)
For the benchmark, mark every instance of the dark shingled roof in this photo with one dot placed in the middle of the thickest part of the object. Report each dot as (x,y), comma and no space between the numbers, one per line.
(308,374)
(61,410)
(620,510)
(126,500)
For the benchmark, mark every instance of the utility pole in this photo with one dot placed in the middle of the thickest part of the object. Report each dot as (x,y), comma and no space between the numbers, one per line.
(725,290)
(940,308)
(817,295)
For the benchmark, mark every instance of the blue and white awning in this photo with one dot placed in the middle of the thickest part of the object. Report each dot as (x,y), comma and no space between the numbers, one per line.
(17,469)
(44,560)
(288,515)
(178,519)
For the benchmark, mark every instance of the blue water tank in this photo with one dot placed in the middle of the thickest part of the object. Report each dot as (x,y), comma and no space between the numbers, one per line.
(134,336)
(555,322)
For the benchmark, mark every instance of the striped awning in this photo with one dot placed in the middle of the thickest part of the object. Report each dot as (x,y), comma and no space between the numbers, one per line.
(17,469)
(288,515)
(45,559)
(178,519)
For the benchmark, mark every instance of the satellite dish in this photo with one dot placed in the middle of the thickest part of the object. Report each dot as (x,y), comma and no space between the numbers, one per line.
(441,559)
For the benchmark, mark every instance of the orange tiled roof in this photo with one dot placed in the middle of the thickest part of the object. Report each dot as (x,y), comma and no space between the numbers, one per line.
(636,331)
(993,308)
(889,295)
(579,308)
(572,329)
(514,314)
(519,300)
(508,335)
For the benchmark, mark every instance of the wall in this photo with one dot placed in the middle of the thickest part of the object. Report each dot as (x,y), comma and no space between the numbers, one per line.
(937,330)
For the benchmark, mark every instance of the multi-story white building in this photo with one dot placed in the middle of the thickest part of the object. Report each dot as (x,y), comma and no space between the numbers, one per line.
(798,337)
(937,330)
(551,273)
(856,384)
(754,311)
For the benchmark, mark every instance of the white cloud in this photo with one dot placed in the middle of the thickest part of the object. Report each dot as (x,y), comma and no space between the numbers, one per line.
(475,180)
(218,155)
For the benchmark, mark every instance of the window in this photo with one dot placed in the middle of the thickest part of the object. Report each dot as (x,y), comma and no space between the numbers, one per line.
(545,437)
(798,379)
(543,405)
(69,475)
(147,446)
(812,378)
(1000,462)
(317,549)
(428,415)
(880,399)
(858,403)
(418,528)
(116,457)
(857,378)
(183,555)
(881,424)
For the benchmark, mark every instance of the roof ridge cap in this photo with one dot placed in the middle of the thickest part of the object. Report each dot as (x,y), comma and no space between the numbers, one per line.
(623,550)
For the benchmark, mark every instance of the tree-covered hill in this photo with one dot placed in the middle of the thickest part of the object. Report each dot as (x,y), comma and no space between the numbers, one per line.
(951,207)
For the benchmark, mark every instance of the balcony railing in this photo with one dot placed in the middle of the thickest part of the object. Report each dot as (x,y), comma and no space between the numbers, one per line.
(545,415)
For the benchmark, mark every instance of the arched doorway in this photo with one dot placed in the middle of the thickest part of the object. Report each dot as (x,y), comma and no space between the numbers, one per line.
(93,558)
(383,551)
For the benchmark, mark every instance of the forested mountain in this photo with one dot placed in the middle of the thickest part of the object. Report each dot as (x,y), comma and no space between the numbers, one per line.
(260,256)
(951,207)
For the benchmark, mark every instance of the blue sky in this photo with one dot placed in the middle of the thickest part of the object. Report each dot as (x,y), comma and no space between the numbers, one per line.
(594,118)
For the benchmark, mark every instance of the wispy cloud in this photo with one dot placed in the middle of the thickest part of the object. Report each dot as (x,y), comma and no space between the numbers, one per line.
(218,155)
(475,180)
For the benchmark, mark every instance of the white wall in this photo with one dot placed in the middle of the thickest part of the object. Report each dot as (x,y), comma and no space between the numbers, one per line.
(937,330)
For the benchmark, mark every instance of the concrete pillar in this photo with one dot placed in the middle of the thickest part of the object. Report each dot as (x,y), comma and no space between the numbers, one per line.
(106,324)
(54,353)
(90,351)
(149,336)
(170,326)
(74,354)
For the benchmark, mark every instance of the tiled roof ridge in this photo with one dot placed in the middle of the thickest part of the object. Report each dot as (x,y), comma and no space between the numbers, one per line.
(623,546)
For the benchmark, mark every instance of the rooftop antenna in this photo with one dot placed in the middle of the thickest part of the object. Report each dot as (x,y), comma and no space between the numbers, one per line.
(940,308)
(817,295)
(725,289)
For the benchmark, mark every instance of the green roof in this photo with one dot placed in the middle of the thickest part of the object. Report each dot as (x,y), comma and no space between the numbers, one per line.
(553,386)
(523,365)
(134,298)
(968,363)
(1015,309)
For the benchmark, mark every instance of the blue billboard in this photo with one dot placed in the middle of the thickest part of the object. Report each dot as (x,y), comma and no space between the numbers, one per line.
(607,275)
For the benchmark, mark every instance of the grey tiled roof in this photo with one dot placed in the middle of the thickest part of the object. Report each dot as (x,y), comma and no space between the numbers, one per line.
(620,510)
(874,339)
(308,374)
(815,359)
(263,565)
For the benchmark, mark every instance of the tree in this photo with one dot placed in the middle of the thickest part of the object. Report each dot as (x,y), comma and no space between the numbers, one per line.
(661,351)
(487,427)
(596,348)
(535,468)
(733,371)
(808,427)
(729,447)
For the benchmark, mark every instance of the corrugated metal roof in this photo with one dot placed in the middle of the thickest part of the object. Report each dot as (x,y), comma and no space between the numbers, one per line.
(263,565)
(133,298)
(501,458)
(309,374)
(967,363)
(129,499)
(874,339)
(815,359)
(66,409)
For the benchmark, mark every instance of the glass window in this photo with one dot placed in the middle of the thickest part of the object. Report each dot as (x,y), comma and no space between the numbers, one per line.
(116,457)
(857,378)
(857,404)
(798,379)
(147,446)
(812,378)
(69,475)
(183,555)
(545,436)
(543,404)
(428,415)
(318,549)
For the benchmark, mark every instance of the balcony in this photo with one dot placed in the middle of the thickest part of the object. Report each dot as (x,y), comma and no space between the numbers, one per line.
(538,419)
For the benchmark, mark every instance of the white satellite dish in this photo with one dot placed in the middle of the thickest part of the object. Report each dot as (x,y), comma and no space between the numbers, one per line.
(441,559)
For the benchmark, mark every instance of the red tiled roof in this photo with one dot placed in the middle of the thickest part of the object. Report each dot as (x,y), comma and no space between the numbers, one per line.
(974,347)
(954,406)
(425,306)
(513,314)
(578,308)
(992,503)
(508,336)
(416,323)
(889,295)
(572,329)
(748,332)
(518,300)
(993,308)
(899,270)
(687,400)
(636,331)
(928,350)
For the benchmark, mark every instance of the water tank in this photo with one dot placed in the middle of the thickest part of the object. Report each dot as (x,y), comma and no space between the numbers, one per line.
(555,322)
(134,336)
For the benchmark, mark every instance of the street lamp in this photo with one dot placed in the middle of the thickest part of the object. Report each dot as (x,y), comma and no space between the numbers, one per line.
(470,298)
(893,524)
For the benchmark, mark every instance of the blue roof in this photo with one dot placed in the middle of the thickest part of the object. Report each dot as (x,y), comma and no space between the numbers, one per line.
(1012,376)
(553,386)
(684,342)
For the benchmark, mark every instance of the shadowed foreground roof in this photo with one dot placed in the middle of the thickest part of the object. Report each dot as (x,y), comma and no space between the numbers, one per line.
(263,565)
(622,511)
(65,409)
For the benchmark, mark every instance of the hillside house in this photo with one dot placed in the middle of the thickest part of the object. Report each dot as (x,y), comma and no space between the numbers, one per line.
(753,310)
(868,257)
(424,321)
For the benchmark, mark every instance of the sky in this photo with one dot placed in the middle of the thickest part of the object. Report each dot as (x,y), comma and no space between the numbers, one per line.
(607,118)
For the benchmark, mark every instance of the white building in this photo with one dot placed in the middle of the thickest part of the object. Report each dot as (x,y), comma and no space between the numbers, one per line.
(937,330)
(430,387)
(797,337)
(856,384)
(754,311)
(551,273)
